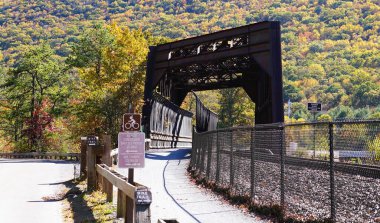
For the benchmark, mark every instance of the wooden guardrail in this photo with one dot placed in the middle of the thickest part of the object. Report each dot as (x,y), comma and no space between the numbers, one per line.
(49,155)
(133,199)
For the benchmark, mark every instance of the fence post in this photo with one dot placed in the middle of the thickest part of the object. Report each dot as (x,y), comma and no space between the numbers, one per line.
(143,199)
(199,152)
(91,168)
(209,151)
(282,158)
(253,164)
(217,158)
(203,156)
(106,159)
(332,178)
(121,209)
(130,212)
(231,161)
(193,147)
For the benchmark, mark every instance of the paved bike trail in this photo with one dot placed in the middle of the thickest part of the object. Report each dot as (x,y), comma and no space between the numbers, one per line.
(176,197)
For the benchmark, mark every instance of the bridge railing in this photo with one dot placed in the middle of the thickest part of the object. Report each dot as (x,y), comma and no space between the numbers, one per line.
(48,155)
(310,170)
(170,126)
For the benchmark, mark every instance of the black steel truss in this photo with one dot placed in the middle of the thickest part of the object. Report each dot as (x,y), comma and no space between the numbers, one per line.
(248,57)
(203,76)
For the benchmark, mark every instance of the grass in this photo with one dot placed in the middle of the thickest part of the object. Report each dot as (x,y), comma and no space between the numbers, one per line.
(102,210)
(83,206)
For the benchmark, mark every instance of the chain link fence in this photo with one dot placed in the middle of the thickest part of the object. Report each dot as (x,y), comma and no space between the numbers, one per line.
(314,171)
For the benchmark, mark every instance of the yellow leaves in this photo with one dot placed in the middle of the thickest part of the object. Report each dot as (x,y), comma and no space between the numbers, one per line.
(118,61)
(350,28)
(316,70)
(325,118)
(313,98)
(310,82)
(345,100)
(361,45)
(112,82)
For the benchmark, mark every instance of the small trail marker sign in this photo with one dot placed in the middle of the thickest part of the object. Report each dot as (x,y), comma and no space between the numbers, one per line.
(143,196)
(131,149)
(131,122)
(314,107)
(92,140)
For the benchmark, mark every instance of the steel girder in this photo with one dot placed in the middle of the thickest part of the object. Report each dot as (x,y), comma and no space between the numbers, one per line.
(247,56)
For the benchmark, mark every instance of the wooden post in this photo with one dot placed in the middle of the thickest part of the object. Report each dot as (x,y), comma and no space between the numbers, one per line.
(130,212)
(91,168)
(83,145)
(106,158)
(121,204)
(98,179)
(143,213)
(131,173)
(143,199)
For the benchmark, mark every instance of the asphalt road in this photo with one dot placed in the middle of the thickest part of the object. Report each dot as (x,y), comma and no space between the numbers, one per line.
(24,183)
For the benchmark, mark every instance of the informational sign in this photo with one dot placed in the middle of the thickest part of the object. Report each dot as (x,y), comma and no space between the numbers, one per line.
(131,122)
(131,150)
(143,196)
(315,107)
(92,140)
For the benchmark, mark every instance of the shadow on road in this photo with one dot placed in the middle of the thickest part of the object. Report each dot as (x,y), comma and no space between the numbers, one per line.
(79,209)
(57,183)
(179,154)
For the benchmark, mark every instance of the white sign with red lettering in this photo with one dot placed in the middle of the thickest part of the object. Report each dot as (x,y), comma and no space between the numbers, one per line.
(131,150)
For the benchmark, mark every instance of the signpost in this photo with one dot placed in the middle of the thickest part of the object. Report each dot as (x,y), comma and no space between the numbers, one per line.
(92,142)
(131,145)
(131,149)
(314,108)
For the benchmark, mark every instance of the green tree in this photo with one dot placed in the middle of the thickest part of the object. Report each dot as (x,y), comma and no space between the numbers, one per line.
(35,91)
(299,111)
(341,112)
(236,108)
(110,62)
(293,93)
(365,94)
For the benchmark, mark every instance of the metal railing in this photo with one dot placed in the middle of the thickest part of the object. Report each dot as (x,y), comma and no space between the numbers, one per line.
(48,155)
(326,170)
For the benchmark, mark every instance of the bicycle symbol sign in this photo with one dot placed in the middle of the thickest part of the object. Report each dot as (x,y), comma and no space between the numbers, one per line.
(131,122)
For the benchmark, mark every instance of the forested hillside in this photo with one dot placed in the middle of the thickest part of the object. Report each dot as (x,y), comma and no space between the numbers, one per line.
(331,49)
